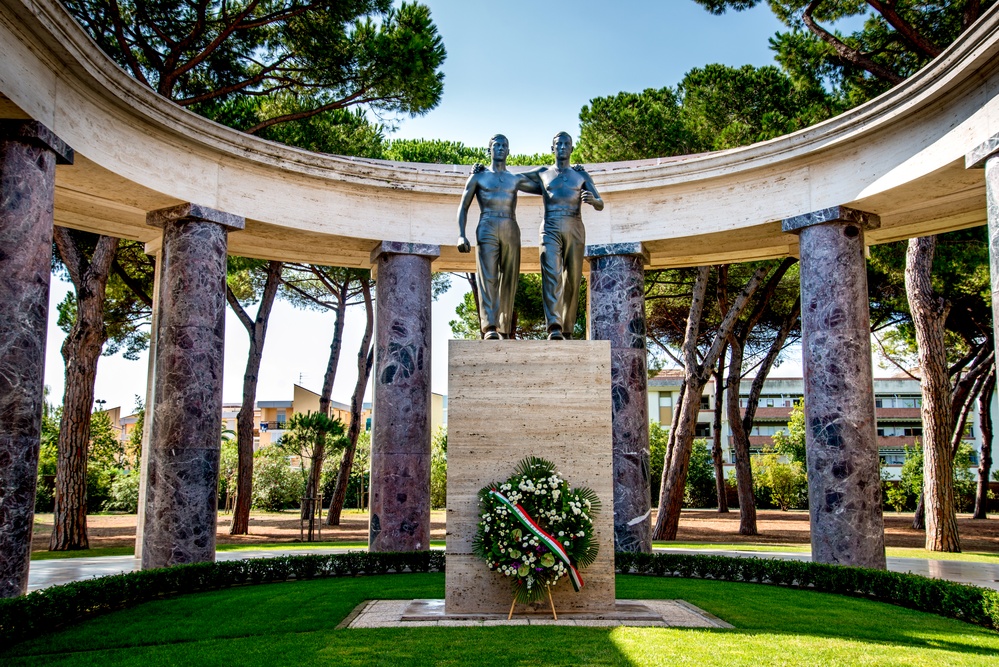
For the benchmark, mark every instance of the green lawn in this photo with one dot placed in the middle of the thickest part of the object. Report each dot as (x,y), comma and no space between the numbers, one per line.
(294,623)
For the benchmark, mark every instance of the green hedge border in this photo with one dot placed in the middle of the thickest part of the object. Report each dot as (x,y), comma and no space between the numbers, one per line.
(54,607)
(57,606)
(936,596)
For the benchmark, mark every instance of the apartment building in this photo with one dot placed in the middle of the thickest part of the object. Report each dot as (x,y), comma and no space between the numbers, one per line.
(897,403)
(270,418)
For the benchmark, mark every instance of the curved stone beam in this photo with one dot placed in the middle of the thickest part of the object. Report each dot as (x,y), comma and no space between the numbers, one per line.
(900,156)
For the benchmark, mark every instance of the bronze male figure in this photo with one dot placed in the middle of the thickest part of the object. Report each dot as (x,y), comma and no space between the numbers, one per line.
(563,238)
(497,238)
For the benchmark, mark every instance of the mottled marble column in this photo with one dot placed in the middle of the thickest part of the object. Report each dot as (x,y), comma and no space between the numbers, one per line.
(29,153)
(617,314)
(400,431)
(186,412)
(987,155)
(844,485)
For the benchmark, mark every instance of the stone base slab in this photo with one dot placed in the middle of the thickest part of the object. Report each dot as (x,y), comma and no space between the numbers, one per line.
(430,613)
(508,400)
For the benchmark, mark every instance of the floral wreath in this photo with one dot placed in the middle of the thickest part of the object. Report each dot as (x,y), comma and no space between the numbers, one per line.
(535,529)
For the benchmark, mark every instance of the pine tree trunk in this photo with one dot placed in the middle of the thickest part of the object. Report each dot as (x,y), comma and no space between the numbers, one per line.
(928,316)
(740,445)
(365,360)
(716,451)
(919,516)
(985,460)
(336,345)
(675,469)
(80,351)
(257,332)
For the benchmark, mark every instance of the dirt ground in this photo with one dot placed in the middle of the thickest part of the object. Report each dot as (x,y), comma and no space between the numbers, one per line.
(118,530)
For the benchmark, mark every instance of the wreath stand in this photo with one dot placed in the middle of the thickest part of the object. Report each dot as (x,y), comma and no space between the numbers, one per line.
(550,601)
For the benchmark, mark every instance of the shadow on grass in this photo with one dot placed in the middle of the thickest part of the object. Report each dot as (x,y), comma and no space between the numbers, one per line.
(294,623)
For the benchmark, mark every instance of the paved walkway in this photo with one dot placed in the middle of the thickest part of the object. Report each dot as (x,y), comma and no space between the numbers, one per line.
(46,573)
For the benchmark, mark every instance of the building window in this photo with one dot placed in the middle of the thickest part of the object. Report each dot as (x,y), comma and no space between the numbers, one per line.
(767,429)
(900,431)
(705,403)
(892,458)
(702,430)
(665,400)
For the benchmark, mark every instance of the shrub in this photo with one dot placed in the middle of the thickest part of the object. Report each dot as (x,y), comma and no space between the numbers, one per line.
(700,490)
(276,486)
(658,440)
(438,469)
(124,493)
(785,483)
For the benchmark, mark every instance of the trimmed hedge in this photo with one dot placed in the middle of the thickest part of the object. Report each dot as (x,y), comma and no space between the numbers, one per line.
(936,596)
(56,606)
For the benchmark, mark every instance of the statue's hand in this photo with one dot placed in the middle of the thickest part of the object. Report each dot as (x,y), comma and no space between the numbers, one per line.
(464,245)
(587,197)
(579,167)
(478,168)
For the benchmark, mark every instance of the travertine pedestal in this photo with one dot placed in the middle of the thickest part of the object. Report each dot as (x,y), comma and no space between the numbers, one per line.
(617,314)
(513,399)
(844,485)
(28,156)
(182,477)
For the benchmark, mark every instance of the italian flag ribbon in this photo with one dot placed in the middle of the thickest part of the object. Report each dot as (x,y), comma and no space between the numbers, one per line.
(554,545)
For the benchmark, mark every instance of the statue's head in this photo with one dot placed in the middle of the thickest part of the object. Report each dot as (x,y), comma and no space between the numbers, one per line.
(499,146)
(562,145)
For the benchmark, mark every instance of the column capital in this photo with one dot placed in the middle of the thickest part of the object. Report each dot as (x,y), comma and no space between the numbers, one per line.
(832,214)
(188,211)
(607,249)
(980,154)
(33,132)
(403,248)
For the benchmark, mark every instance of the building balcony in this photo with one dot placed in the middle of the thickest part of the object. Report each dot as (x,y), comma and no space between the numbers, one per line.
(898,413)
(272,426)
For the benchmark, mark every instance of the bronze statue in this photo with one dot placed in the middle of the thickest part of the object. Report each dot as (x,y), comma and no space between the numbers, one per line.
(497,237)
(563,238)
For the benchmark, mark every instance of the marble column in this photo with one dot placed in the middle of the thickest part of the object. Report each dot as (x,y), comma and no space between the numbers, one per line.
(986,156)
(400,435)
(617,314)
(844,485)
(186,411)
(29,152)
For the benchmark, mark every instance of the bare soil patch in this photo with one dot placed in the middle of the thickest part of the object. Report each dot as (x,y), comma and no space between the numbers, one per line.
(777,527)
(118,530)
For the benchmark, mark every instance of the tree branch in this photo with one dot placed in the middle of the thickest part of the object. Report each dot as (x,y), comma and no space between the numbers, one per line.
(848,53)
(907,31)
(238,309)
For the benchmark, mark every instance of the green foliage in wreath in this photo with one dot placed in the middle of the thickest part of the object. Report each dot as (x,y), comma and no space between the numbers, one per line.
(511,549)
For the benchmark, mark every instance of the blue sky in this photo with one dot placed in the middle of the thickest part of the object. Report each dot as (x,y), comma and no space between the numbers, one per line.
(517,67)
(526,68)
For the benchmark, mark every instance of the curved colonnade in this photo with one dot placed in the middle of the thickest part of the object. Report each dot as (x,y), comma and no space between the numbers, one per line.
(146,169)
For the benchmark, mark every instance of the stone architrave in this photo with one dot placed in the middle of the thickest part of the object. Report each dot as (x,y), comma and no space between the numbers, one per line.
(844,486)
(400,430)
(508,401)
(29,152)
(617,314)
(984,156)
(186,412)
